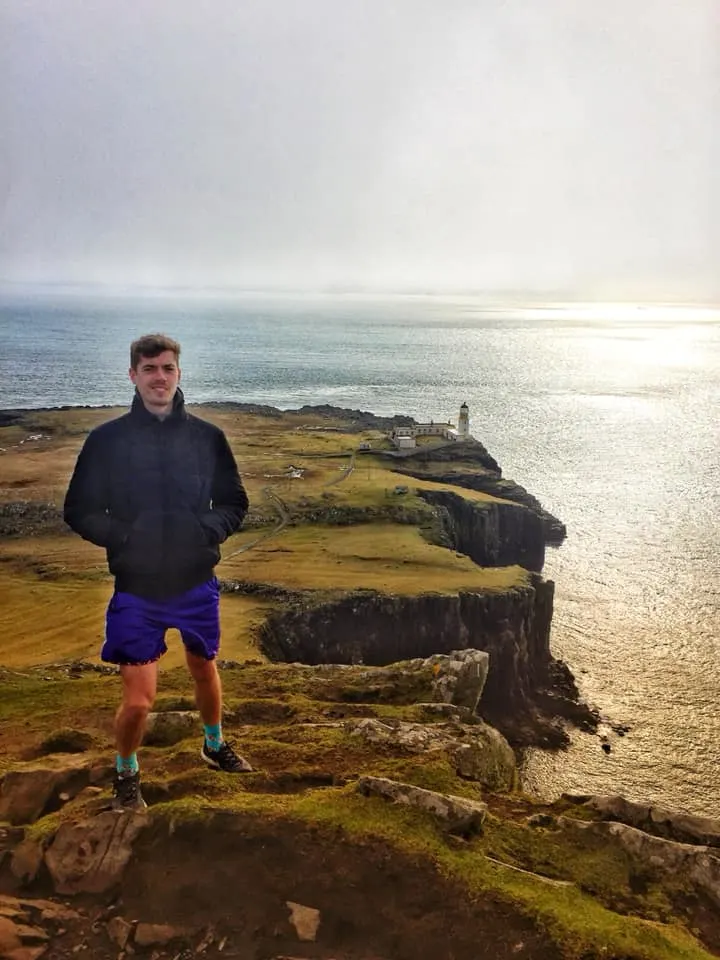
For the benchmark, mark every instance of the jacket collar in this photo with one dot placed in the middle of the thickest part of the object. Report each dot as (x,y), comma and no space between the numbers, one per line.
(141,413)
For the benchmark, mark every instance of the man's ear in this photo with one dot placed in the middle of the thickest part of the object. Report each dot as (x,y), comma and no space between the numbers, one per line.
(133,375)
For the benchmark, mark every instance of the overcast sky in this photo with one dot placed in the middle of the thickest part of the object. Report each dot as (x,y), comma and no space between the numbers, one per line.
(536,146)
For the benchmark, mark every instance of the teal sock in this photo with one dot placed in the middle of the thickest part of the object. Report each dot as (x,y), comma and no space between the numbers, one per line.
(126,766)
(213,735)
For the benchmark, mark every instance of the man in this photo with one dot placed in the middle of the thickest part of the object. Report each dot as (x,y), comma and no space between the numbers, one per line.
(160,490)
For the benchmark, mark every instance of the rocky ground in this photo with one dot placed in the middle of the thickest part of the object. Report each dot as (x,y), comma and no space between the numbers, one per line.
(373,829)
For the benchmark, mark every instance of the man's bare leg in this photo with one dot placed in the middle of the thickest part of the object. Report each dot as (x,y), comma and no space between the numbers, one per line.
(139,689)
(208,696)
(208,689)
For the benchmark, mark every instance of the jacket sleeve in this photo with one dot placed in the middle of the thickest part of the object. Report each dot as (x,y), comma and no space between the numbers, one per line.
(86,508)
(229,499)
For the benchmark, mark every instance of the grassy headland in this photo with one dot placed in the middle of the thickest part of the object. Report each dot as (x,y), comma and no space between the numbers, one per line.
(325,520)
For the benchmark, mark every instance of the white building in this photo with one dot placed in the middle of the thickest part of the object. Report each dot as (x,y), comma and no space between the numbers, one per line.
(405,438)
(464,423)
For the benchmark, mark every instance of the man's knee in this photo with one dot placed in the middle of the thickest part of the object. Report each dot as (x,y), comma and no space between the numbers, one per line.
(139,685)
(202,670)
(136,711)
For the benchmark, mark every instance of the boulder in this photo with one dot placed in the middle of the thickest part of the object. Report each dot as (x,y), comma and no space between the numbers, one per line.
(477,751)
(89,856)
(458,814)
(166,729)
(29,791)
(460,676)
(658,821)
(457,677)
(486,757)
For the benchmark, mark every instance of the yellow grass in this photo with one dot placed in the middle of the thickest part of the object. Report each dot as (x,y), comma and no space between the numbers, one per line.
(377,556)
(264,447)
(44,622)
(55,588)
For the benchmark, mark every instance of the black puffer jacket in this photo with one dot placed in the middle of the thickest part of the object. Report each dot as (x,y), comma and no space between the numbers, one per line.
(159,495)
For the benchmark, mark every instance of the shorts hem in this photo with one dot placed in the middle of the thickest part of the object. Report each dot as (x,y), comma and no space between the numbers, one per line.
(124,662)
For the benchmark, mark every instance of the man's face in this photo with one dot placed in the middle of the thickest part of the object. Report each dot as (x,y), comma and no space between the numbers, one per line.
(157,379)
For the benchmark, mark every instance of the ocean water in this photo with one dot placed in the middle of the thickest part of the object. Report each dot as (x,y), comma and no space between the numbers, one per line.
(608,414)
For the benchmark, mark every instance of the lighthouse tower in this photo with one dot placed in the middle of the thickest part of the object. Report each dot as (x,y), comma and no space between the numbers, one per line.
(464,423)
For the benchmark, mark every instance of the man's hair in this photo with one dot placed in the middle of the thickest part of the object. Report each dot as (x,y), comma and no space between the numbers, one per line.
(152,345)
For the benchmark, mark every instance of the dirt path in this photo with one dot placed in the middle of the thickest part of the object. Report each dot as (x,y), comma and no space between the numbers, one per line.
(284,516)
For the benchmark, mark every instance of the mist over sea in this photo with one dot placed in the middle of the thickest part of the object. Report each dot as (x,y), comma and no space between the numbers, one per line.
(608,415)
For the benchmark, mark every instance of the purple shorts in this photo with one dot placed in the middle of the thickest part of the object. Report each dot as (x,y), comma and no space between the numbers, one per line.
(135,627)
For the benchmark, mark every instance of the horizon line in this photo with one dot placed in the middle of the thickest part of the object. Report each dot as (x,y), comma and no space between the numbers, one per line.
(495,297)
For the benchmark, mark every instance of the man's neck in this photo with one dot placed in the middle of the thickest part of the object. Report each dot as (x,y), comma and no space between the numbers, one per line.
(160,413)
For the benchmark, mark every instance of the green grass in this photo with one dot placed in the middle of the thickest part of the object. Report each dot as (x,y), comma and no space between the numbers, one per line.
(580,925)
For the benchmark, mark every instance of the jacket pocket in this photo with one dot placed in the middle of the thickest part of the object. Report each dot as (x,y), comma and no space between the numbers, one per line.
(172,543)
(187,541)
(142,552)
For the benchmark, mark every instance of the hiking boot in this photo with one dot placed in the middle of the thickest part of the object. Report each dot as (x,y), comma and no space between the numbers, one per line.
(127,794)
(225,759)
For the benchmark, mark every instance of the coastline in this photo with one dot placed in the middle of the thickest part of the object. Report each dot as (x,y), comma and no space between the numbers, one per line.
(354,632)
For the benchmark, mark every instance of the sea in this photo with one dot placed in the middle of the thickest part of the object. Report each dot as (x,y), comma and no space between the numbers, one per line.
(607,412)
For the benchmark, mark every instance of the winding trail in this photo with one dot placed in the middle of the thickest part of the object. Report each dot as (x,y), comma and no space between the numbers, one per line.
(344,475)
(284,517)
(282,511)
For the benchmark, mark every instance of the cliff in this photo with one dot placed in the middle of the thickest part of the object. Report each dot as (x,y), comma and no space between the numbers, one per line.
(491,534)
(468,465)
(526,689)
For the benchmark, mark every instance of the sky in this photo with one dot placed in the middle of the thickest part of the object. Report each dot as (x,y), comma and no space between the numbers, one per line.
(554,149)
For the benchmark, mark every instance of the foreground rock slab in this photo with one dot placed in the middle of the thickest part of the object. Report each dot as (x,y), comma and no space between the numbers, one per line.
(477,751)
(698,864)
(21,935)
(27,792)
(89,856)
(659,821)
(458,814)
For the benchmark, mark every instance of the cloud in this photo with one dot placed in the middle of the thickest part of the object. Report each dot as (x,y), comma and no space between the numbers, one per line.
(474,145)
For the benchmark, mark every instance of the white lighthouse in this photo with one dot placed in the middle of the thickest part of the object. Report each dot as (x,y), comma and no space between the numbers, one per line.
(464,423)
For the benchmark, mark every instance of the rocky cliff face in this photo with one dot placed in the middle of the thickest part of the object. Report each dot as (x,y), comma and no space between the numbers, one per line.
(449,464)
(555,530)
(491,534)
(525,687)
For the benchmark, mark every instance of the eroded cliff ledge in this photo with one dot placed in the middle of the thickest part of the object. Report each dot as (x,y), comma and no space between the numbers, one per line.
(527,689)
(469,465)
(491,534)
